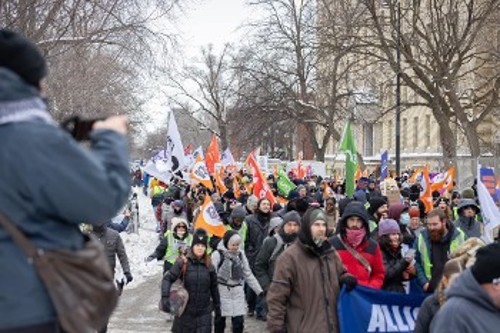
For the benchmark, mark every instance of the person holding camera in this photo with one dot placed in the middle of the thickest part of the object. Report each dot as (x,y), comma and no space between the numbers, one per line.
(50,183)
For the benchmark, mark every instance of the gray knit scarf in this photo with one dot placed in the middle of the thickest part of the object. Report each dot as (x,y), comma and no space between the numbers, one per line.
(231,268)
(29,109)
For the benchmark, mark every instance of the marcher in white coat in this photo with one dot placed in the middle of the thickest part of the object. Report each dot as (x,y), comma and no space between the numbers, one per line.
(232,271)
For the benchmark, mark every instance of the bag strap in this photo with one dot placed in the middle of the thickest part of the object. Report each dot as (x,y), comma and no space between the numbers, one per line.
(28,248)
(183,269)
(356,255)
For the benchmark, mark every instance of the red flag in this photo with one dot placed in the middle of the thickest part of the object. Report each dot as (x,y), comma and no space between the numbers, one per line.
(213,155)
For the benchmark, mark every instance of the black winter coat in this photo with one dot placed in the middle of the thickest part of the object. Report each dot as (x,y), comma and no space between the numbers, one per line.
(258,229)
(201,283)
(394,265)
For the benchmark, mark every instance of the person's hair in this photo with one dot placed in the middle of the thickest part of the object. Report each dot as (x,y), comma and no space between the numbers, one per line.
(451,267)
(384,241)
(437,212)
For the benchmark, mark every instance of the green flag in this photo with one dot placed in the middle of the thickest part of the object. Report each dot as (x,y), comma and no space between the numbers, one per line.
(348,146)
(285,185)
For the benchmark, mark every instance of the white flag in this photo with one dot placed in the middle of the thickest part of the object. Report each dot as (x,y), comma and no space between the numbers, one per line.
(489,211)
(152,169)
(198,152)
(174,151)
(227,158)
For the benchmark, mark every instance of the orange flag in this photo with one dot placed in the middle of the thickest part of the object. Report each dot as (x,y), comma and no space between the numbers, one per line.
(365,173)
(199,173)
(221,187)
(213,155)
(446,181)
(416,174)
(209,220)
(358,174)
(426,194)
(260,187)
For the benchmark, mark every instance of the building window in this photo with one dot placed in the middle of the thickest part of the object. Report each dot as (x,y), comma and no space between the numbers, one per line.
(428,130)
(368,144)
(415,132)
(404,131)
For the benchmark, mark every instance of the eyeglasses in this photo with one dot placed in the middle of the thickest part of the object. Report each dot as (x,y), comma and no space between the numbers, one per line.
(181,227)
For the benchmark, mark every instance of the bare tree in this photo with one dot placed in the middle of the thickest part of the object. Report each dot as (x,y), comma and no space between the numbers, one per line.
(447,60)
(206,92)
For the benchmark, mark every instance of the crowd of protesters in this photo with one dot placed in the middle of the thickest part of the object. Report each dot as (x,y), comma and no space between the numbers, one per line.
(285,262)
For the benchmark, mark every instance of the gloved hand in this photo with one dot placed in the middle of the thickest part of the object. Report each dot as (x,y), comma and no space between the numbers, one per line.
(165,304)
(150,258)
(349,281)
(128,276)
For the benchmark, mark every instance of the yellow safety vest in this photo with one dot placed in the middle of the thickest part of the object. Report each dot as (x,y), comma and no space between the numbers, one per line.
(174,245)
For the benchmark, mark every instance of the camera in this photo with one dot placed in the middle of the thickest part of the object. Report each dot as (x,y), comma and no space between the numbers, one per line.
(79,128)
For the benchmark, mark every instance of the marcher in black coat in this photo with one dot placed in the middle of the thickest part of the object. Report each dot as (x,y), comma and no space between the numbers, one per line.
(397,268)
(200,280)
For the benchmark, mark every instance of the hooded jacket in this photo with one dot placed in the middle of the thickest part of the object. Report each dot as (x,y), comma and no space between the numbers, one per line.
(368,248)
(50,184)
(258,229)
(468,308)
(171,242)
(305,287)
(273,246)
(469,225)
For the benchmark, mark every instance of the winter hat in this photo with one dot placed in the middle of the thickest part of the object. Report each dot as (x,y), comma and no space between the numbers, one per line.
(293,194)
(388,226)
(292,216)
(467,203)
(375,204)
(487,266)
(22,56)
(176,221)
(360,195)
(301,187)
(275,222)
(200,236)
(414,212)
(238,212)
(252,200)
(355,208)
(215,197)
(178,203)
(231,237)
(468,193)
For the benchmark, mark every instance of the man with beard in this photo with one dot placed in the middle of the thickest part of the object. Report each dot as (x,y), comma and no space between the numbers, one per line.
(273,246)
(433,247)
(306,283)
(378,210)
(258,229)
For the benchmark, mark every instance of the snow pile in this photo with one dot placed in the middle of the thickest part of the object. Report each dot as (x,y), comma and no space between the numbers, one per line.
(141,245)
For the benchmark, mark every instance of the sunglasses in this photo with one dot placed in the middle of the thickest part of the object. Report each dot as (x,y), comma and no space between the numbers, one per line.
(181,227)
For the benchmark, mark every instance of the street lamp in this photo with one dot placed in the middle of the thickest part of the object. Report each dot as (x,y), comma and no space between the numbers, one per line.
(398,88)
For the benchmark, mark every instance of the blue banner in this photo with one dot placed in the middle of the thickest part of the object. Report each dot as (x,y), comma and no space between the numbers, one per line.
(369,310)
(383,165)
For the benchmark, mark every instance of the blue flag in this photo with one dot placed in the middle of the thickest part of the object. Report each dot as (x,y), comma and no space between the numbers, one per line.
(383,165)
(370,310)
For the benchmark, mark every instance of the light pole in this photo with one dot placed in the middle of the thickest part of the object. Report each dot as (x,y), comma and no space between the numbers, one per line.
(398,89)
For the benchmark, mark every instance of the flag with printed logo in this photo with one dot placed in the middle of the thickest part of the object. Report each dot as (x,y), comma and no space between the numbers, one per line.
(209,220)
(219,183)
(261,188)
(348,146)
(285,185)
(199,174)
(426,193)
(174,150)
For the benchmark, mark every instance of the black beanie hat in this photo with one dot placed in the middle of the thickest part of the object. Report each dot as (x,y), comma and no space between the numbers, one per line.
(227,237)
(375,204)
(486,268)
(21,56)
(200,236)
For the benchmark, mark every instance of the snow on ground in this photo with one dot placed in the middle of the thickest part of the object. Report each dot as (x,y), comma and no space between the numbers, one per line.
(141,245)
